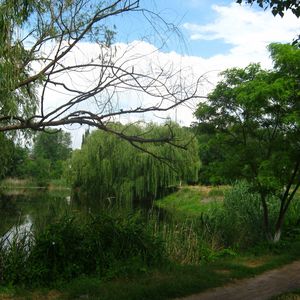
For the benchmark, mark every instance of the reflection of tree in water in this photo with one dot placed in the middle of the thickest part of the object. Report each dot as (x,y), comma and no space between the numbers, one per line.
(40,207)
(8,204)
(9,212)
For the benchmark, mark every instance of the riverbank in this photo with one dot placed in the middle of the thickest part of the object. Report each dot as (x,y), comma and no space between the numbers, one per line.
(18,186)
(170,281)
(194,259)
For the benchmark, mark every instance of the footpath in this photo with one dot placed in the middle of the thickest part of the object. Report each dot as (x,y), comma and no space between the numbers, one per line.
(261,287)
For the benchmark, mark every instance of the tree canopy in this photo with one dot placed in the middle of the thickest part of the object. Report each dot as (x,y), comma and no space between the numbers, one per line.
(252,123)
(110,167)
(53,145)
(38,44)
(7,147)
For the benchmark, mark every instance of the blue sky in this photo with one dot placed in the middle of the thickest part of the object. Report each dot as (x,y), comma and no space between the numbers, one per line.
(177,12)
(211,36)
(191,11)
(181,12)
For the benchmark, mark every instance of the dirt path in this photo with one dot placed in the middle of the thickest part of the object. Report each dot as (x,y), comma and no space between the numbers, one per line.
(264,286)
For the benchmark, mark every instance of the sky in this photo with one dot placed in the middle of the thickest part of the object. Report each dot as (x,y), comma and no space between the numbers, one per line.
(205,37)
(209,28)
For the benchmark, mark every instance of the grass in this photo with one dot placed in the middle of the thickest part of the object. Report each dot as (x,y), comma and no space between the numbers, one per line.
(17,184)
(192,201)
(169,281)
(178,278)
(294,295)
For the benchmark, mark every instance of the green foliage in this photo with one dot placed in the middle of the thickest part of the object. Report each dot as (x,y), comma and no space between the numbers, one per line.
(6,146)
(241,219)
(251,119)
(238,221)
(214,218)
(167,282)
(113,168)
(14,65)
(251,124)
(104,245)
(18,158)
(52,145)
(50,150)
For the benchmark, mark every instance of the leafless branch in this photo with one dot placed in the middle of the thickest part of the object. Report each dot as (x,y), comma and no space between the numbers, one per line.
(87,88)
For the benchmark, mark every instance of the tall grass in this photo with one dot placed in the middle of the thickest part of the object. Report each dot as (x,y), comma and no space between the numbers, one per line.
(182,243)
(218,227)
(103,245)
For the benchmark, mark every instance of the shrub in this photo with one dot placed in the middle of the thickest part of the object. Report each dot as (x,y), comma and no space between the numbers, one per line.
(103,245)
(238,222)
(14,257)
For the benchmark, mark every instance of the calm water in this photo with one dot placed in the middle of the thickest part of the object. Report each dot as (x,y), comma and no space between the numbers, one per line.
(20,210)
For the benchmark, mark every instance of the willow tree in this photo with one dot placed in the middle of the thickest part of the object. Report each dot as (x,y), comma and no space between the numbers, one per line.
(108,166)
(45,47)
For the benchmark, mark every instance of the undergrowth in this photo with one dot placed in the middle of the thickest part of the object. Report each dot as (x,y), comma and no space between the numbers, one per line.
(103,245)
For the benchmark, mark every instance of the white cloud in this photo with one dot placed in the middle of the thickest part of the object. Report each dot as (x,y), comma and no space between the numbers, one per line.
(144,58)
(247,30)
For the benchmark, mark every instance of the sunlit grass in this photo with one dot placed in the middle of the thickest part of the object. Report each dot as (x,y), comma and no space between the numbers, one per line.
(192,201)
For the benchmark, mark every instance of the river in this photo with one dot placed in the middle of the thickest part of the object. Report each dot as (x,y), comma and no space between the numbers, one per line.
(26,209)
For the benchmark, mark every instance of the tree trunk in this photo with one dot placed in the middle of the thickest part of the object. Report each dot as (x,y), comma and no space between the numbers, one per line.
(279,223)
(278,226)
(266,216)
(277,235)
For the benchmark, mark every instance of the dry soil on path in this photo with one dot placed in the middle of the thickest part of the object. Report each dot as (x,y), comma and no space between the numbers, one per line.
(264,286)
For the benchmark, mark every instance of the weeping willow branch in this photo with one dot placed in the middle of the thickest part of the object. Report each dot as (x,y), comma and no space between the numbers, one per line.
(109,166)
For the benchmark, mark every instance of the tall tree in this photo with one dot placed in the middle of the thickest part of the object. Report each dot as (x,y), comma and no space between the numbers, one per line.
(50,150)
(53,145)
(7,147)
(38,41)
(254,116)
(110,167)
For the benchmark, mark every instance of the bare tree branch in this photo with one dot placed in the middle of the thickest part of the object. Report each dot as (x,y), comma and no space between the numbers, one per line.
(92,86)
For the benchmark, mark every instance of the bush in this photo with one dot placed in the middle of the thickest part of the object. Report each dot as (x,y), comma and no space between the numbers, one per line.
(243,216)
(14,257)
(104,245)
(236,223)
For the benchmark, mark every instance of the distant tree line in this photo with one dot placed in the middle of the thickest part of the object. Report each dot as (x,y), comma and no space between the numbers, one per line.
(43,161)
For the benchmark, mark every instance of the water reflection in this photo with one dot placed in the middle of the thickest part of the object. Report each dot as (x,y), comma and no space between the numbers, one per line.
(29,209)
(17,232)
(32,210)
